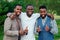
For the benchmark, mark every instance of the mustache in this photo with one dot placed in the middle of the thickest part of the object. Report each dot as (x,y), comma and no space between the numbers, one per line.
(43,16)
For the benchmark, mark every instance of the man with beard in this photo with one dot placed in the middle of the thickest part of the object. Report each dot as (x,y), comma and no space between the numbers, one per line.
(45,26)
(28,20)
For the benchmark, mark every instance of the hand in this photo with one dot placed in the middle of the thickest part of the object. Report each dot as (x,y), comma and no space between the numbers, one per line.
(9,14)
(21,32)
(38,29)
(51,15)
(26,30)
(13,16)
(47,28)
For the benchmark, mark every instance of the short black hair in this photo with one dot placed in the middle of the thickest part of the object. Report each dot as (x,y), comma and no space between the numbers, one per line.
(42,7)
(29,5)
(17,5)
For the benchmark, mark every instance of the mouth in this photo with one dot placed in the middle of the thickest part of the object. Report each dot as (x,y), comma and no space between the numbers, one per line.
(43,16)
(30,12)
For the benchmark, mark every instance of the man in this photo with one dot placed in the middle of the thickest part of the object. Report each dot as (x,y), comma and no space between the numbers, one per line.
(12,25)
(28,20)
(45,26)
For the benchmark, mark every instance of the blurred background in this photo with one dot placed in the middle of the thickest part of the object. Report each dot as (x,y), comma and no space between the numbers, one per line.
(8,5)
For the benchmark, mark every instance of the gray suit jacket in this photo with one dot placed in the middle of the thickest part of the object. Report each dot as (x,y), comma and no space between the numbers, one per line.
(13,33)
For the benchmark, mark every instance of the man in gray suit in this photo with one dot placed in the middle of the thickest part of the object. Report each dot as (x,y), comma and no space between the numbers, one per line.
(12,25)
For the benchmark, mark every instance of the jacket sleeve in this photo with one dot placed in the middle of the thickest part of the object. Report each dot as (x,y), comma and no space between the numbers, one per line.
(35,27)
(7,25)
(54,29)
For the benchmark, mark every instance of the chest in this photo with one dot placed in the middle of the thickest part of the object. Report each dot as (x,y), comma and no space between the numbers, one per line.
(28,22)
(14,25)
(43,23)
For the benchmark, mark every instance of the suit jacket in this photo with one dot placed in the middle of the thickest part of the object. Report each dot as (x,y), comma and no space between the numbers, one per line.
(11,29)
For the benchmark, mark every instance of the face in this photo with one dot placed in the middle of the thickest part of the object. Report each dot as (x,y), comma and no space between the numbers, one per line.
(30,10)
(18,10)
(43,12)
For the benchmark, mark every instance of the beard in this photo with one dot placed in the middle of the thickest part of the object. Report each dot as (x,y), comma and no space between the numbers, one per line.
(43,16)
(29,15)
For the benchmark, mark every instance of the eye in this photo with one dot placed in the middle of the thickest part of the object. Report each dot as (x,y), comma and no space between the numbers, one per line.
(30,9)
(19,9)
(42,11)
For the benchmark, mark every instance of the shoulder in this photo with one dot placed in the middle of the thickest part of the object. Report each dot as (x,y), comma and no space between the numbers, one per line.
(36,14)
(22,14)
(8,20)
(49,17)
(38,18)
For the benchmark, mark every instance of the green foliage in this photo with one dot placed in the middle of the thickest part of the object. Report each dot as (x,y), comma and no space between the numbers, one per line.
(2,19)
(53,7)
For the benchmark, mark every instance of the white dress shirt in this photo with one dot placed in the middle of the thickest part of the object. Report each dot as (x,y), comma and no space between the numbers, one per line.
(28,22)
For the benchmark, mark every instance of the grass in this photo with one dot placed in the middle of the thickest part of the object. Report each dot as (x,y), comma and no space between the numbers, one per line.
(56,37)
